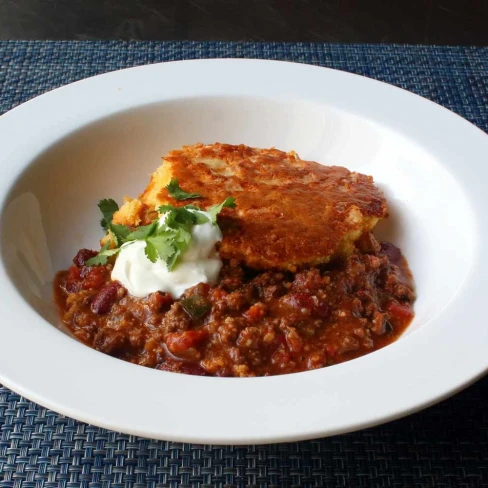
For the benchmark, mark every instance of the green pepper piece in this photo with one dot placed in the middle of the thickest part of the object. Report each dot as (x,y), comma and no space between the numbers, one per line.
(196,306)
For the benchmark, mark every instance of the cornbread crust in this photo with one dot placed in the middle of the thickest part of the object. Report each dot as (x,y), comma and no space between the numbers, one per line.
(289,212)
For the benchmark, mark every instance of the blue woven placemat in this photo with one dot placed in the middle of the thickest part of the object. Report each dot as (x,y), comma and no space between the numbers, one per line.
(443,446)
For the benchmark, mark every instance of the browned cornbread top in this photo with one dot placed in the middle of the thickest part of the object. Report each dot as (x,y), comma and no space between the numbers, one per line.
(289,212)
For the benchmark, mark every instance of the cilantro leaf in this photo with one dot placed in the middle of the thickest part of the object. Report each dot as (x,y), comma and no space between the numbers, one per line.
(182,236)
(178,222)
(177,193)
(151,252)
(181,242)
(163,246)
(171,261)
(108,207)
(214,210)
(104,247)
(186,216)
(120,233)
(166,208)
(200,218)
(176,216)
(102,256)
(142,232)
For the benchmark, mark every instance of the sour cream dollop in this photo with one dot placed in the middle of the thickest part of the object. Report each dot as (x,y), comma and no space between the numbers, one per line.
(199,264)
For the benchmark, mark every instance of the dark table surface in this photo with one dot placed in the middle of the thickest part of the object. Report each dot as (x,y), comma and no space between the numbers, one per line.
(454,22)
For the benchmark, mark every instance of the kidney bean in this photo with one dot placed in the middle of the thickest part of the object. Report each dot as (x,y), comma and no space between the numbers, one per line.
(392,252)
(105,298)
(83,256)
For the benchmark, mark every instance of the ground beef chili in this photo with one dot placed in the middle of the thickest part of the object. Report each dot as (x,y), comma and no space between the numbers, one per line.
(252,323)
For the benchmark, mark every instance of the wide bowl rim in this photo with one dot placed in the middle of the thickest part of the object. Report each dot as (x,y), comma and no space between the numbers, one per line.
(61,111)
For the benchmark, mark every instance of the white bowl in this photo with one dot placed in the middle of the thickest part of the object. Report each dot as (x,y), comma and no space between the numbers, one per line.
(101,137)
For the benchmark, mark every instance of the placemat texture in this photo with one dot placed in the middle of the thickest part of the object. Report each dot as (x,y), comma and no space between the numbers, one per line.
(443,446)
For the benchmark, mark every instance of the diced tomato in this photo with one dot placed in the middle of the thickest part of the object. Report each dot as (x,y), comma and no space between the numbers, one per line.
(94,277)
(73,278)
(256,313)
(179,342)
(399,312)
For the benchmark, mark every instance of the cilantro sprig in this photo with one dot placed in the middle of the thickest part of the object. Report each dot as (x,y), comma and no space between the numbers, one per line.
(166,239)
(177,193)
(108,207)
(214,210)
(102,256)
